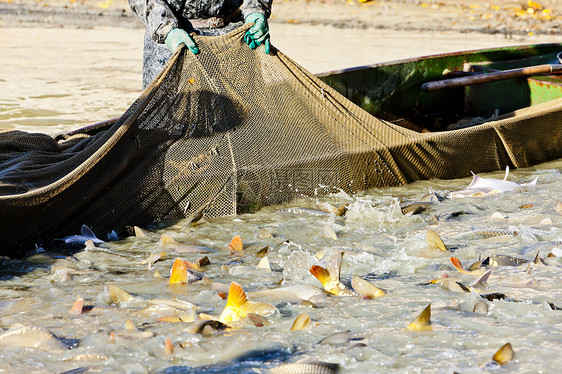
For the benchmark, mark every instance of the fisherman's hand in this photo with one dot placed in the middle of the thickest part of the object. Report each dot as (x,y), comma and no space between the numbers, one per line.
(177,37)
(259,33)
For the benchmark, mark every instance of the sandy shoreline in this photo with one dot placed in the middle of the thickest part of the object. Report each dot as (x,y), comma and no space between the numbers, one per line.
(60,75)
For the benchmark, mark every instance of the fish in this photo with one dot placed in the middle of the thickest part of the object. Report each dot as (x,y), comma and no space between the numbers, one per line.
(208,327)
(337,338)
(235,246)
(482,279)
(474,269)
(480,307)
(174,303)
(168,242)
(130,331)
(140,232)
(264,264)
(264,234)
(168,347)
(303,211)
(77,307)
(423,321)
(504,354)
(496,232)
(434,241)
(329,232)
(181,274)
(32,337)
(330,276)
(365,288)
(329,208)
(238,306)
(312,367)
(86,234)
(451,284)
(114,295)
(480,186)
(302,322)
(153,258)
(416,207)
(290,294)
(503,260)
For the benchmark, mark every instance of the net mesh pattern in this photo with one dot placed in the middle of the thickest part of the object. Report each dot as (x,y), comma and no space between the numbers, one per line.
(230,130)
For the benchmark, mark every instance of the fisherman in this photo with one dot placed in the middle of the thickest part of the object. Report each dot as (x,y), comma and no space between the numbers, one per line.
(169,24)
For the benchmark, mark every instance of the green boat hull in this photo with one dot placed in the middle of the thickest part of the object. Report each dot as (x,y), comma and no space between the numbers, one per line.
(392,91)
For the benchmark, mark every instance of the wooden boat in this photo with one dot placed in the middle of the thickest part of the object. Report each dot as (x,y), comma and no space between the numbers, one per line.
(393,91)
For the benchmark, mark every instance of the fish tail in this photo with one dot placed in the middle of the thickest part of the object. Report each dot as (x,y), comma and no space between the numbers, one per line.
(322,274)
(236,244)
(504,354)
(422,321)
(179,272)
(458,265)
(166,240)
(234,303)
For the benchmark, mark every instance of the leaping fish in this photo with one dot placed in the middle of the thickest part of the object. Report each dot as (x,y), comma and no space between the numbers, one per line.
(238,306)
(480,186)
(330,276)
(86,234)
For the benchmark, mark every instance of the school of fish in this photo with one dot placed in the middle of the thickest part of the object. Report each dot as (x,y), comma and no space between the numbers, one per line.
(428,277)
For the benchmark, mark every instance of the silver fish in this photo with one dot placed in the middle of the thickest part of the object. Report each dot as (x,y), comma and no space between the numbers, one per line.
(306,368)
(87,234)
(482,186)
(290,294)
(32,337)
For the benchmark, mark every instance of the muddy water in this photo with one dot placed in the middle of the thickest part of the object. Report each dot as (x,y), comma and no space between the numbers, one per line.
(380,244)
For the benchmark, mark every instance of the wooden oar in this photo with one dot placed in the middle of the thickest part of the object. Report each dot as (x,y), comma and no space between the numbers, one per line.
(493,77)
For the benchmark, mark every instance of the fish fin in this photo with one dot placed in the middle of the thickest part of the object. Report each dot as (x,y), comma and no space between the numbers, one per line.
(118,295)
(264,264)
(179,272)
(130,326)
(482,279)
(140,232)
(458,265)
(86,231)
(504,354)
(234,303)
(322,274)
(168,347)
(506,172)
(77,307)
(259,308)
(435,240)
(112,236)
(475,180)
(365,288)
(236,244)
(334,265)
(532,183)
(166,240)
(422,321)
(301,322)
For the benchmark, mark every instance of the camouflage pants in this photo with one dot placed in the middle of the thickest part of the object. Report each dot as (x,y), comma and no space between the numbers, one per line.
(156,55)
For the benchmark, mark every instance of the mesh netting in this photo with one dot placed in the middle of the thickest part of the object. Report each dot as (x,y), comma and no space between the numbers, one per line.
(232,130)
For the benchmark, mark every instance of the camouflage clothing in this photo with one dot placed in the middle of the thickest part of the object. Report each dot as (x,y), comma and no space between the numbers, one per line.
(161,16)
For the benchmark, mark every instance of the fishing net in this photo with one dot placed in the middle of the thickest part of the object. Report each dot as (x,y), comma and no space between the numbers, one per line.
(231,130)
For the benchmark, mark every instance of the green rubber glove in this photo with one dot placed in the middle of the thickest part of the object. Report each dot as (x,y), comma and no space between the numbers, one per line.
(259,33)
(178,36)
